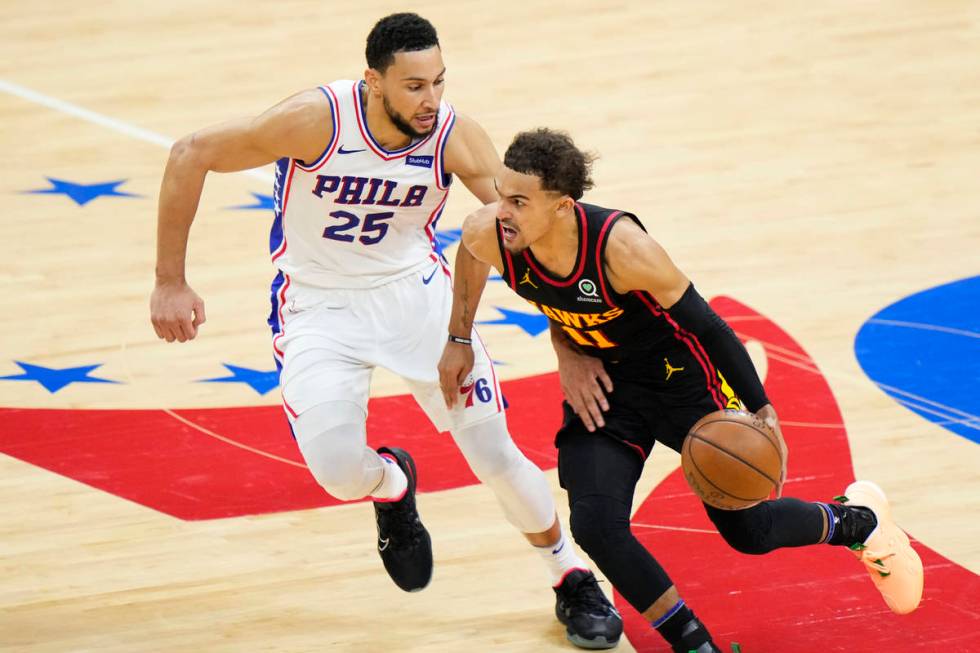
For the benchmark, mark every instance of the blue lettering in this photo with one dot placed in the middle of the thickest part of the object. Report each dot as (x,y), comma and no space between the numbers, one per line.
(415,196)
(366,191)
(372,192)
(386,197)
(325,184)
(350,193)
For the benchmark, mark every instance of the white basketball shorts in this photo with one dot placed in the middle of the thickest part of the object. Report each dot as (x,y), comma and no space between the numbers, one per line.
(330,341)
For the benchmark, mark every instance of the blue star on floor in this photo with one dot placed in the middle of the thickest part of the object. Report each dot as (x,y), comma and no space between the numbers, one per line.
(446,238)
(259,380)
(82,194)
(53,378)
(531,323)
(261,203)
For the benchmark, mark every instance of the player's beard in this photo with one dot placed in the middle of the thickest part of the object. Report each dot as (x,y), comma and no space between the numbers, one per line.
(403,125)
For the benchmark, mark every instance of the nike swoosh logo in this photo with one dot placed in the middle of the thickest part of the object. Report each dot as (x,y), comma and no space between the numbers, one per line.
(427,279)
(383,544)
(555,551)
(343,151)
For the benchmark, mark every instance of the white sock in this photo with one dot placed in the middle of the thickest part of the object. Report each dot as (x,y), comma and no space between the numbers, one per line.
(393,483)
(561,558)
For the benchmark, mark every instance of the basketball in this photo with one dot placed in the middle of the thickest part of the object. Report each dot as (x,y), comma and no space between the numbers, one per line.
(731,459)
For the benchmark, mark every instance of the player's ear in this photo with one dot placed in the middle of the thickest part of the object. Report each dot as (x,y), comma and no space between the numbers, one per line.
(566,203)
(373,79)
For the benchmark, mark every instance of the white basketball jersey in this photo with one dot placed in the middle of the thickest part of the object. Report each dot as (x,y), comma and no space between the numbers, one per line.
(359,216)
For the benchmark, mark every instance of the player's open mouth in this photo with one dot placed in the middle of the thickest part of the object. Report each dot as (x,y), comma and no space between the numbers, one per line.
(426,120)
(509,233)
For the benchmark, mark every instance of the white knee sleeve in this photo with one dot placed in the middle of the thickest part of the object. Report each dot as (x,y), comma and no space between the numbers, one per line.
(333,440)
(520,486)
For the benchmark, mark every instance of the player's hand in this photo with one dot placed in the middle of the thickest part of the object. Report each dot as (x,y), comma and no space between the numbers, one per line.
(176,311)
(768,415)
(454,366)
(580,377)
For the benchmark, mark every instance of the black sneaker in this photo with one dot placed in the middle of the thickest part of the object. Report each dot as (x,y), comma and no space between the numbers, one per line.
(403,542)
(590,619)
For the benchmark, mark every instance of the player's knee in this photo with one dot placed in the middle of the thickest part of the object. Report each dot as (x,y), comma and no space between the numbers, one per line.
(332,439)
(598,525)
(489,450)
(746,531)
(338,469)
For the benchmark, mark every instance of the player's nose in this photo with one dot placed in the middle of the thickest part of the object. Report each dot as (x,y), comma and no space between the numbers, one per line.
(430,102)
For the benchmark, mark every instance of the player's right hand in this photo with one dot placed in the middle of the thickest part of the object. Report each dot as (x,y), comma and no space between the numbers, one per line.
(768,415)
(176,311)
(454,366)
(580,376)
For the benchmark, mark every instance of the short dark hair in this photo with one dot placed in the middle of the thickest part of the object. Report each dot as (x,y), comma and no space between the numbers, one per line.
(404,32)
(551,156)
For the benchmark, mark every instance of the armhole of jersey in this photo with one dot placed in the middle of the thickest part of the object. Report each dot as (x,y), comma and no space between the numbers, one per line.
(600,253)
(506,259)
(334,139)
(444,180)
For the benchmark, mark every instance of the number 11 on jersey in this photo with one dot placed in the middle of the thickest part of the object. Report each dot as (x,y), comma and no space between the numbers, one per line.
(590,338)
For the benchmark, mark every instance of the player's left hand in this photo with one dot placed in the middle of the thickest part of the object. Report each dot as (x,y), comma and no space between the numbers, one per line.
(580,377)
(454,366)
(768,415)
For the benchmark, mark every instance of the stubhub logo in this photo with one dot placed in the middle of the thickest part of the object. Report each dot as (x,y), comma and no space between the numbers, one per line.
(420,161)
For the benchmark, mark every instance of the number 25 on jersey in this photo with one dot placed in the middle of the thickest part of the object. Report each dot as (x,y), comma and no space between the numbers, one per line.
(372,228)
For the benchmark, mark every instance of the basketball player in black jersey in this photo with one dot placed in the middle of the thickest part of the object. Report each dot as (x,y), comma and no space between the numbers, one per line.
(623,314)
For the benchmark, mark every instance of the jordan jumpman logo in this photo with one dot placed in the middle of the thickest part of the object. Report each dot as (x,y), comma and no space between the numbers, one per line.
(671,370)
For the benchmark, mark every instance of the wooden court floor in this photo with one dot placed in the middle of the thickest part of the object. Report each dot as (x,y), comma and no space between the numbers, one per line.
(816,162)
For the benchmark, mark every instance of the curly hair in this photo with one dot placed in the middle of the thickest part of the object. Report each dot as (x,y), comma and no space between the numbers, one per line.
(405,32)
(552,156)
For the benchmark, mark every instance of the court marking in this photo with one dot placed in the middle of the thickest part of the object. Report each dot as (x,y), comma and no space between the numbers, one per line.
(102,120)
(799,363)
(924,326)
(206,431)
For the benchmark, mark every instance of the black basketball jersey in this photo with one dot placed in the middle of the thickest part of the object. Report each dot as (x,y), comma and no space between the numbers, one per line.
(601,321)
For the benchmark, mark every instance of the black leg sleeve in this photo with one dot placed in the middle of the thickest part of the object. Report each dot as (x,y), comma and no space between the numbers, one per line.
(600,475)
(769,525)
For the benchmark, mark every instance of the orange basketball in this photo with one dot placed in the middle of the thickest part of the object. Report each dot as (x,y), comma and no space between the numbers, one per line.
(731,459)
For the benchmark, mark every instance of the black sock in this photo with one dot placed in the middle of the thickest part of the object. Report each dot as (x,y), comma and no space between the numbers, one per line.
(677,628)
(848,525)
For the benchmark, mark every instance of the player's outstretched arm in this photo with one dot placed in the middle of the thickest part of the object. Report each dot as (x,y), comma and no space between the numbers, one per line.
(471,156)
(635,261)
(298,127)
(477,252)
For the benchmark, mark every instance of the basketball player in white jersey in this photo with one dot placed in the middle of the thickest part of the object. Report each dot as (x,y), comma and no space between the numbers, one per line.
(362,175)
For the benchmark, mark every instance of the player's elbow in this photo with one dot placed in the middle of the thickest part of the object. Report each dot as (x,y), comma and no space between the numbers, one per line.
(188,152)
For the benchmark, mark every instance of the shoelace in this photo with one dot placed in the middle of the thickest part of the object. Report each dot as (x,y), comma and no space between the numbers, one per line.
(403,526)
(588,595)
(873,560)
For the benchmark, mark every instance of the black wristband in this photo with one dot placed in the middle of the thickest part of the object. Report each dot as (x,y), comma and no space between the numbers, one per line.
(462,341)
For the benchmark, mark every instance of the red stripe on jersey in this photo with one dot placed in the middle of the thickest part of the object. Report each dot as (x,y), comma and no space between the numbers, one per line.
(689,339)
(289,408)
(437,166)
(282,322)
(598,257)
(581,257)
(508,262)
(637,448)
